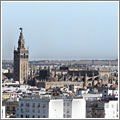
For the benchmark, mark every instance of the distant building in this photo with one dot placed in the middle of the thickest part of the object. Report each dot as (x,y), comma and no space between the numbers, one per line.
(43,74)
(21,56)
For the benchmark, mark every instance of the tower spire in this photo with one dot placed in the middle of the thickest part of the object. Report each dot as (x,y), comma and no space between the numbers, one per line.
(21,40)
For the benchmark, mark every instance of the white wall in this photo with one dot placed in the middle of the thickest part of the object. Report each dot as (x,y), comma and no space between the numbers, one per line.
(56,108)
(78,108)
(111,109)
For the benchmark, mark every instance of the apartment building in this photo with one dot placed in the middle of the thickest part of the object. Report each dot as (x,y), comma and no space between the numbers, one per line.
(51,108)
(33,108)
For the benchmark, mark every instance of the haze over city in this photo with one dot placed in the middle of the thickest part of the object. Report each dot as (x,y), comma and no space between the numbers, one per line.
(61,30)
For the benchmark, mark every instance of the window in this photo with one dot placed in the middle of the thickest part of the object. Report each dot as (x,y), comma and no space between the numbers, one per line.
(44,106)
(27,110)
(27,104)
(67,104)
(22,104)
(21,116)
(33,116)
(44,116)
(112,106)
(38,105)
(39,111)
(7,107)
(67,111)
(38,116)
(68,116)
(117,107)
(24,55)
(113,112)
(33,110)
(21,110)
(33,105)
(13,108)
(27,116)
(43,111)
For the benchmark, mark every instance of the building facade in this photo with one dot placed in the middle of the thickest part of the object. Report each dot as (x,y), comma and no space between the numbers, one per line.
(3,112)
(33,108)
(10,107)
(111,109)
(21,56)
(51,108)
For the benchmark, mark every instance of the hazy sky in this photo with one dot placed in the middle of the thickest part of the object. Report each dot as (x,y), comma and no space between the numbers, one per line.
(61,30)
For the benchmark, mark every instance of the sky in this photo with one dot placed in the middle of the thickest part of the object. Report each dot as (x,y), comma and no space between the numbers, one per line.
(61,30)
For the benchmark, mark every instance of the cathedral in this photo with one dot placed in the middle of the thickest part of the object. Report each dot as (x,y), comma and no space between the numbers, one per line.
(21,59)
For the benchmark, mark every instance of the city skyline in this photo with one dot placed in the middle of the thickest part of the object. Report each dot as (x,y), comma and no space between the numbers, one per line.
(61,31)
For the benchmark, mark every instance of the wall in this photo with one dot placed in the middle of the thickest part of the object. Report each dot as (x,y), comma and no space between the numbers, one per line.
(78,108)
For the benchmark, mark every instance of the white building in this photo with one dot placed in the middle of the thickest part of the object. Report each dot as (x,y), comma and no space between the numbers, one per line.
(56,108)
(107,93)
(79,108)
(90,96)
(111,109)
(4,70)
(3,112)
(81,91)
(60,108)
(53,108)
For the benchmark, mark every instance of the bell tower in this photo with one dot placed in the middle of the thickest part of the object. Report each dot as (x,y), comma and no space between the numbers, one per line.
(21,59)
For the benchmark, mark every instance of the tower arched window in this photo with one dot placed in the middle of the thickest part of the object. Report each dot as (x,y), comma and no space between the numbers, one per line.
(24,55)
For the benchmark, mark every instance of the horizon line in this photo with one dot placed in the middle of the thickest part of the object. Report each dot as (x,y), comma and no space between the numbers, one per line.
(63,59)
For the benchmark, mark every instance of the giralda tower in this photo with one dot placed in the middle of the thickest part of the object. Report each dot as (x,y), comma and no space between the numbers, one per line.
(21,59)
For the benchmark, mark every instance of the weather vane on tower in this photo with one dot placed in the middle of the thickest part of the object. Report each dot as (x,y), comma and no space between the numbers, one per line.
(21,29)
